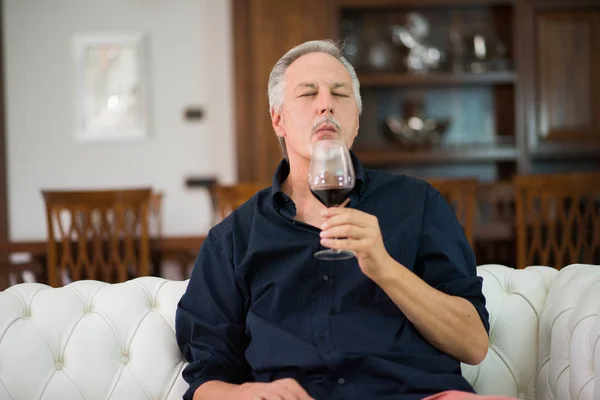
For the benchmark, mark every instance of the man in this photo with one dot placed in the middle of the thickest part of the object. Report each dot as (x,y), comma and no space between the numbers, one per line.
(262,318)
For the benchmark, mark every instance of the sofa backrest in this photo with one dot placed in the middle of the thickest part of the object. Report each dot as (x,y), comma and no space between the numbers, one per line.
(89,339)
(569,355)
(515,300)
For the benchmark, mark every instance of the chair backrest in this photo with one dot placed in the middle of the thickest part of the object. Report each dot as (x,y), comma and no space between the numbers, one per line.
(495,223)
(97,234)
(227,198)
(558,219)
(155,223)
(461,195)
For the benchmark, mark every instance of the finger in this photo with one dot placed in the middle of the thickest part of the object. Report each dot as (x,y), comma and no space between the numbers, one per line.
(344,231)
(297,389)
(287,394)
(354,245)
(359,219)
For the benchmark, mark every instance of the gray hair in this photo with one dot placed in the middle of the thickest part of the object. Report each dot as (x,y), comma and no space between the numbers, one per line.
(276,78)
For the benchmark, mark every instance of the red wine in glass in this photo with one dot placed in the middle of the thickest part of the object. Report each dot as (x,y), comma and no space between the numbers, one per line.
(331,196)
(330,179)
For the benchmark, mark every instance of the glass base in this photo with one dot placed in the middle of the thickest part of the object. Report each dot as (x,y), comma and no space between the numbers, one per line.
(330,254)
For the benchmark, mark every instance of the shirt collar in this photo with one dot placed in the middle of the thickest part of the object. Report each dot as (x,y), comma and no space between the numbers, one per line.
(283,170)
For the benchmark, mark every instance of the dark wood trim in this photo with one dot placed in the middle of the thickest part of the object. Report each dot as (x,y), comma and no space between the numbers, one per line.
(200,182)
(419,3)
(525,123)
(3,169)
(242,70)
(443,155)
(436,78)
(167,244)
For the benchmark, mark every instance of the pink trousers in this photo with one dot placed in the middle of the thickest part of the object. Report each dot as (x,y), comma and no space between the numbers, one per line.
(456,395)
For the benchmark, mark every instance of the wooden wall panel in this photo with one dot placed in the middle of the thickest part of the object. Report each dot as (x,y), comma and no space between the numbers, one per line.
(264,31)
(568,95)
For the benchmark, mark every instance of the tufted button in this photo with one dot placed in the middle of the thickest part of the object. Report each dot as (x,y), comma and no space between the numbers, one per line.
(124,358)
(341,381)
(59,365)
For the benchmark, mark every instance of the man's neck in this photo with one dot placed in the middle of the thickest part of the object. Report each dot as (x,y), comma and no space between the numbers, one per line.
(296,187)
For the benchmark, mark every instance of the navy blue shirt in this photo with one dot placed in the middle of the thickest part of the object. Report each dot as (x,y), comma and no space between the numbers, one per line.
(259,306)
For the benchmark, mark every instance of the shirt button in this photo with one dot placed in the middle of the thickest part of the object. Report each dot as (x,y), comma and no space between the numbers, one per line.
(325,278)
(341,381)
(321,336)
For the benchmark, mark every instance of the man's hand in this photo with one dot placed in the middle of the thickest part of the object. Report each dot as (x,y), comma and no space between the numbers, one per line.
(360,233)
(282,389)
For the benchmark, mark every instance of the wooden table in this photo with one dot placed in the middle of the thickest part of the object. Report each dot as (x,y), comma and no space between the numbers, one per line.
(180,249)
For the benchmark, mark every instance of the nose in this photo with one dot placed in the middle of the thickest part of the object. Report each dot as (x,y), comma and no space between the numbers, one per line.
(325,104)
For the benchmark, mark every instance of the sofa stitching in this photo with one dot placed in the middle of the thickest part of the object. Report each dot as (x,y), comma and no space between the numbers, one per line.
(166,320)
(18,298)
(138,382)
(96,293)
(134,332)
(591,378)
(537,316)
(148,295)
(581,321)
(595,345)
(505,363)
(62,353)
(552,325)
(77,294)
(72,381)
(43,336)
(8,327)
(5,388)
(111,392)
(46,385)
(174,379)
(111,328)
(561,373)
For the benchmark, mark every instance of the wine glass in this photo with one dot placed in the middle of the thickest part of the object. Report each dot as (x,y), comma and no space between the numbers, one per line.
(330,179)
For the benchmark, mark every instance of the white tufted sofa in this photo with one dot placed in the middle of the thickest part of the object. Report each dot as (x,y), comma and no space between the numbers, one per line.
(91,340)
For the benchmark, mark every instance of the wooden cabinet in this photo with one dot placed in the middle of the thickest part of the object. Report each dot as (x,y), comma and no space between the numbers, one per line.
(539,112)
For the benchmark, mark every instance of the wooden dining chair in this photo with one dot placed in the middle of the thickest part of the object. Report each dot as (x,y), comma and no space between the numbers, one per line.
(226,198)
(558,219)
(12,273)
(461,195)
(97,234)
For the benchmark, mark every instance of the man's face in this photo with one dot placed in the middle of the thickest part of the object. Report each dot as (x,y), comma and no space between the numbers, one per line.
(318,101)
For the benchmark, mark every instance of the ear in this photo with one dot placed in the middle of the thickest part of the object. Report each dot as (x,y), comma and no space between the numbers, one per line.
(357,128)
(277,122)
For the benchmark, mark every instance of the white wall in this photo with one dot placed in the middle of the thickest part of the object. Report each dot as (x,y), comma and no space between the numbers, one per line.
(190,53)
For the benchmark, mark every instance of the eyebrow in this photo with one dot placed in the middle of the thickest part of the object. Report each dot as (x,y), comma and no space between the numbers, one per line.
(310,85)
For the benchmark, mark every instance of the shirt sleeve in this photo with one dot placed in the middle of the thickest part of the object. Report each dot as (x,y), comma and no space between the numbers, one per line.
(445,259)
(210,321)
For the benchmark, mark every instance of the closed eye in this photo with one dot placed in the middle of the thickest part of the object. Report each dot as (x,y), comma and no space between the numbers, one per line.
(340,95)
(308,94)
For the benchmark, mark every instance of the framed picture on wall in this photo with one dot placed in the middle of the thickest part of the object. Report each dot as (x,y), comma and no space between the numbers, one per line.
(111,96)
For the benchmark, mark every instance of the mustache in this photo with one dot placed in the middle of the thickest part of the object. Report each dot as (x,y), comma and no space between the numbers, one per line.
(328,120)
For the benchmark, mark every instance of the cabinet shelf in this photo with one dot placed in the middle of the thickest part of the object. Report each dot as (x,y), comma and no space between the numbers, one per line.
(436,78)
(380,157)
(419,3)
